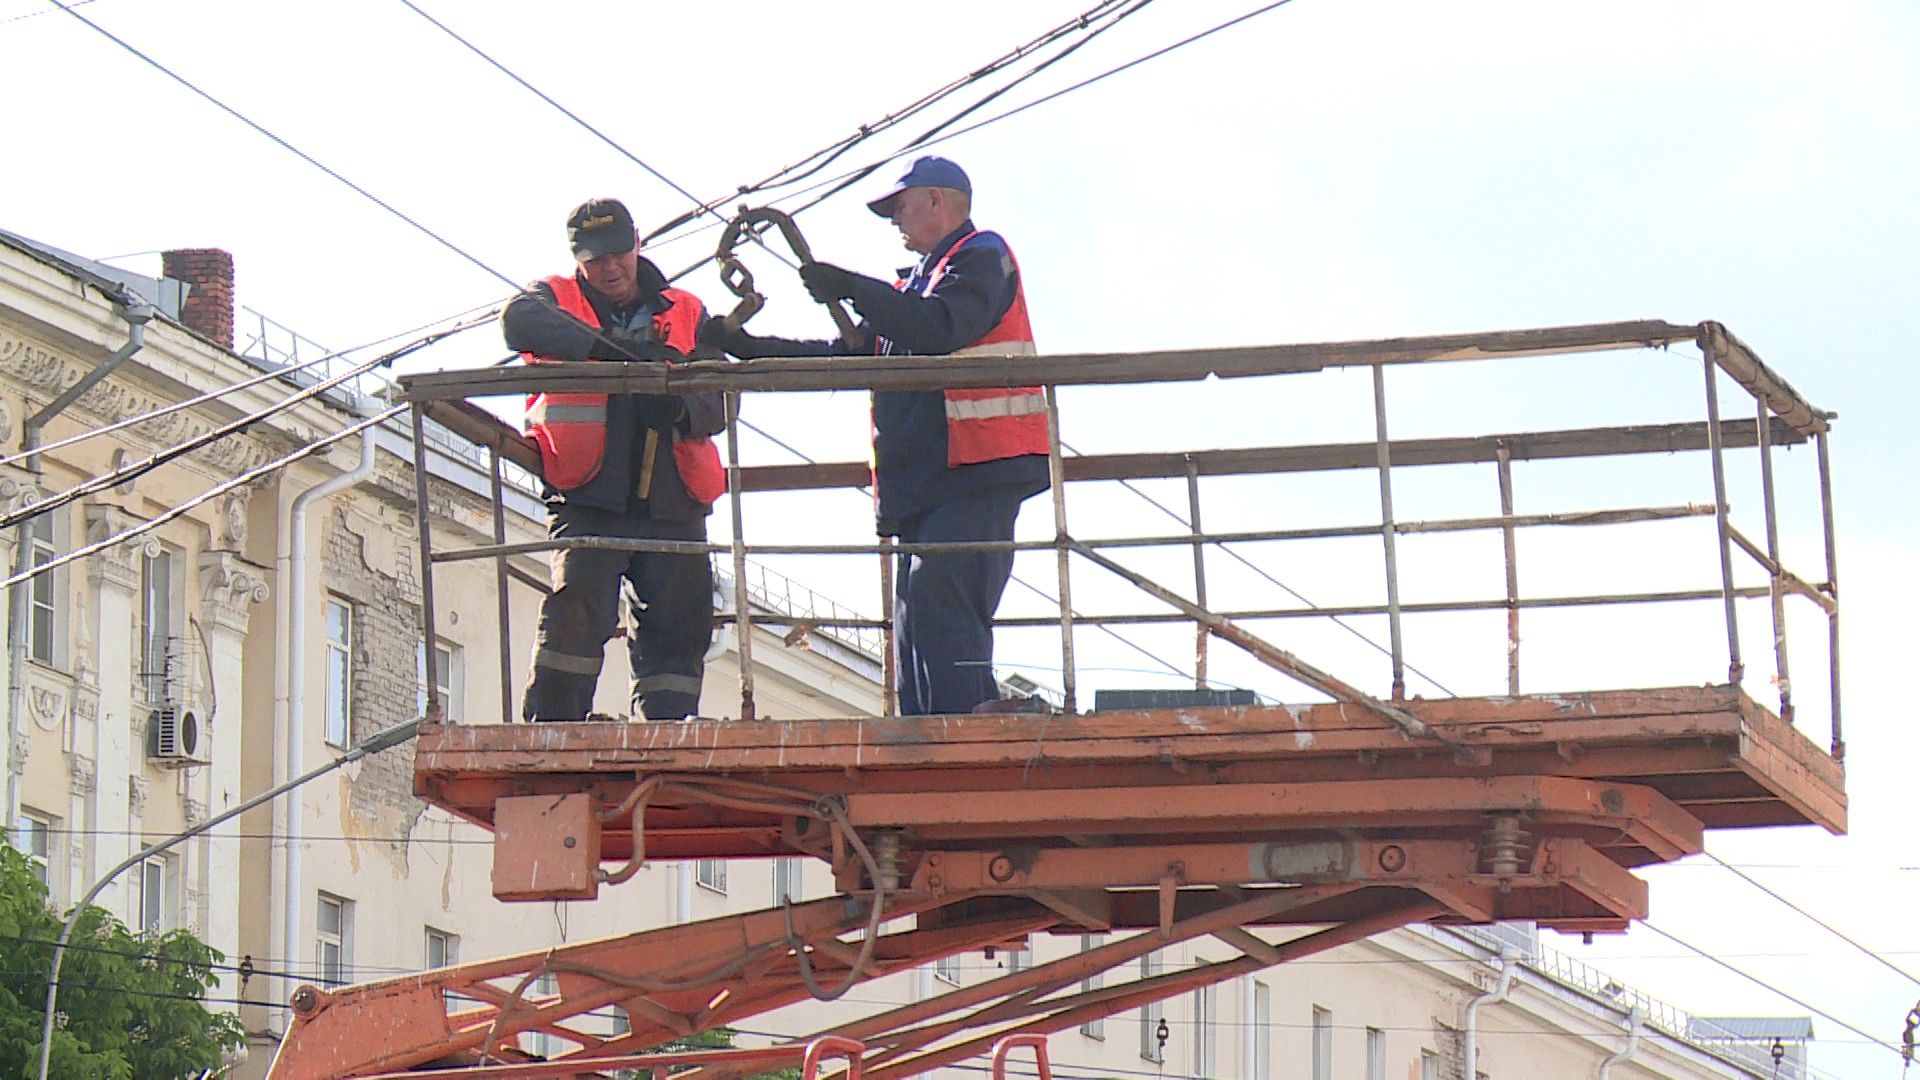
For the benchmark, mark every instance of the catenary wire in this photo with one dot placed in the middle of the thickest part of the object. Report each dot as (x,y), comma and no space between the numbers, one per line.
(1763,984)
(220,392)
(153,461)
(1816,920)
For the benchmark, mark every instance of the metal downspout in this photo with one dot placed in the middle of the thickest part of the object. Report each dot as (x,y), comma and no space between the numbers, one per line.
(1636,1017)
(136,312)
(293,735)
(1470,1031)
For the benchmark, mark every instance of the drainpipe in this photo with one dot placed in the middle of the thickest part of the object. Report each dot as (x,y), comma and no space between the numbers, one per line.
(293,733)
(136,312)
(1636,1016)
(1507,960)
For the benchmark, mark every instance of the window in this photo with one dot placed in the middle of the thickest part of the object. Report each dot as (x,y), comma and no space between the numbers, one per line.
(711,874)
(1095,1028)
(159,879)
(1429,1065)
(44,605)
(1376,1054)
(333,931)
(1016,960)
(1261,1017)
(160,670)
(947,970)
(443,949)
(539,1043)
(339,668)
(1203,1031)
(1322,1044)
(1152,1015)
(786,878)
(449,670)
(33,835)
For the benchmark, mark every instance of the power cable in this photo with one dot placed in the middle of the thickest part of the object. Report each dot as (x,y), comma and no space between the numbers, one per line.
(153,461)
(214,395)
(1817,921)
(1763,984)
(37,14)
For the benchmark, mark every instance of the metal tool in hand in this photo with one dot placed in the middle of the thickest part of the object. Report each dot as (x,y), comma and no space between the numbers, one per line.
(739,280)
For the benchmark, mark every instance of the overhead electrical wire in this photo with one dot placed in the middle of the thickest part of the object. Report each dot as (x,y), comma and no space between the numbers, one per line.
(1816,920)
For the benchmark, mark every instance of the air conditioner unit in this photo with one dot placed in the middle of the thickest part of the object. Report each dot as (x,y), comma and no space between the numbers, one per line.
(175,737)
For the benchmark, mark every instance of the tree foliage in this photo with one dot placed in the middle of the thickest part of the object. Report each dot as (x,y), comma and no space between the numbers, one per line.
(130,1005)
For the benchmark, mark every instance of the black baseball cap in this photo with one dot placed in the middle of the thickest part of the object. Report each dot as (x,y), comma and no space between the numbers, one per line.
(600,227)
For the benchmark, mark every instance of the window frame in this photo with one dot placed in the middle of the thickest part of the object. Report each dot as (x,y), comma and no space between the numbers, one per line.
(1261,1015)
(337,729)
(162,600)
(1205,1050)
(947,970)
(789,879)
(36,843)
(1095,1028)
(711,875)
(1151,1014)
(338,972)
(1322,1047)
(47,594)
(159,893)
(1376,1054)
(449,671)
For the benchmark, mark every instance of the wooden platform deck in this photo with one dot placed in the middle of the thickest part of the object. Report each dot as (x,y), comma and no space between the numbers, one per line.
(1527,807)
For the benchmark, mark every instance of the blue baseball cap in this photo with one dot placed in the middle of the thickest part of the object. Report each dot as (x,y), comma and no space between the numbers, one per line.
(924,172)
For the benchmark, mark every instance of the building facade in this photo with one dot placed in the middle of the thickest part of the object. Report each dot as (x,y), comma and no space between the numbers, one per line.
(167,676)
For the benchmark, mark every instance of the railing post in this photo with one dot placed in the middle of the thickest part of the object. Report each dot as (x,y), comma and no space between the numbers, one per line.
(1384,455)
(889,676)
(1776,590)
(742,616)
(434,712)
(497,469)
(1503,455)
(1736,670)
(1200,634)
(1839,744)
(1057,479)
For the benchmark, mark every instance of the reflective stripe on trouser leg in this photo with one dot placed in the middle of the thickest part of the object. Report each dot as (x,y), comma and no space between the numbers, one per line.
(576,620)
(673,626)
(944,605)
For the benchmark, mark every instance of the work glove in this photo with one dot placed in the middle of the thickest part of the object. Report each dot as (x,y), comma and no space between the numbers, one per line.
(716,336)
(826,282)
(660,412)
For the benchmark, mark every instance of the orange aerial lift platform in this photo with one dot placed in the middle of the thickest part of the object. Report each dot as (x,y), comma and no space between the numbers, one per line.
(1280,830)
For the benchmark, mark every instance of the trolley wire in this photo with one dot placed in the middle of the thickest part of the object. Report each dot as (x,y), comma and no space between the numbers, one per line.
(1816,920)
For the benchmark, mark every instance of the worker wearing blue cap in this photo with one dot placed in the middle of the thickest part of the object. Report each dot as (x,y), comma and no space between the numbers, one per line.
(950,465)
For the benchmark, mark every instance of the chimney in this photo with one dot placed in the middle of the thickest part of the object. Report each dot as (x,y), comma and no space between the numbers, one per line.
(208,309)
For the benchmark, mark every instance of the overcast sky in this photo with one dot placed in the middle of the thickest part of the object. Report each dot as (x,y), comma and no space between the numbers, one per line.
(1332,169)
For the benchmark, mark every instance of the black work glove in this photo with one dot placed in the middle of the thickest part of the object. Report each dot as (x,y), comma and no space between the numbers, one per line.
(717,337)
(660,412)
(826,282)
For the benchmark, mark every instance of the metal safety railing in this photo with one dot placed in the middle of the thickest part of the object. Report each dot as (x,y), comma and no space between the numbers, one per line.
(1780,417)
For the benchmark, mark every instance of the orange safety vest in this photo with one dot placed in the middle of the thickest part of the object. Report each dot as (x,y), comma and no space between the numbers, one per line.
(571,429)
(990,423)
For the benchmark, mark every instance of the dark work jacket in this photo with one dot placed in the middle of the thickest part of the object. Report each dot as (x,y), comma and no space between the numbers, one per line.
(533,322)
(910,426)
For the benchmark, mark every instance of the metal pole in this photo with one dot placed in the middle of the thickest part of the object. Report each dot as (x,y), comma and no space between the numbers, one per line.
(1839,745)
(1503,455)
(498,467)
(1776,591)
(742,616)
(1385,458)
(1735,669)
(889,675)
(391,737)
(435,711)
(1200,634)
(1057,479)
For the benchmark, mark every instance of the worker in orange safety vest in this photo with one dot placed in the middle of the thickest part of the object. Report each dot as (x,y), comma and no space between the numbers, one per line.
(635,466)
(949,465)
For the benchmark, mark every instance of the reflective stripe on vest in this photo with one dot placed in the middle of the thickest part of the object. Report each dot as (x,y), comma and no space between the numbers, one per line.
(992,423)
(571,428)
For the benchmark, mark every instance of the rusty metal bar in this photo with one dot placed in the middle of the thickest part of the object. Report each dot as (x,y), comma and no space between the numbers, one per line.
(497,476)
(1057,485)
(889,673)
(424,511)
(1385,458)
(1735,669)
(615,543)
(1839,745)
(1786,579)
(742,609)
(1505,461)
(1200,635)
(1776,590)
(1266,652)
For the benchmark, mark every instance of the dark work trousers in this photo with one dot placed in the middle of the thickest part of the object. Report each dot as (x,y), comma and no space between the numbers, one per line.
(672,606)
(944,604)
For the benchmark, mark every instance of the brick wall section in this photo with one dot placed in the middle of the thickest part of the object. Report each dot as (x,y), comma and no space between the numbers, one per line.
(209,307)
(386,636)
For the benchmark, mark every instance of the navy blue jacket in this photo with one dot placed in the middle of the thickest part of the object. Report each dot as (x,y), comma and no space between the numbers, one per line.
(910,426)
